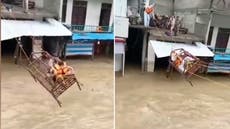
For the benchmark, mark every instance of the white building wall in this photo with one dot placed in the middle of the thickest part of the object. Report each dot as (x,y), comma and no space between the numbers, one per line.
(121,27)
(53,6)
(69,9)
(163,7)
(187,9)
(189,4)
(92,13)
(120,8)
(38,3)
(189,19)
(121,21)
(222,21)
(133,3)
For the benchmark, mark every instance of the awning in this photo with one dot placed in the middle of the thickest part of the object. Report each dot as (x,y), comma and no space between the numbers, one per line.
(17,28)
(93,36)
(222,57)
(163,49)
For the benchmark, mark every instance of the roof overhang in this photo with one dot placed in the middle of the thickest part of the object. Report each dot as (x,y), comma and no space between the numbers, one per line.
(163,49)
(17,28)
(93,36)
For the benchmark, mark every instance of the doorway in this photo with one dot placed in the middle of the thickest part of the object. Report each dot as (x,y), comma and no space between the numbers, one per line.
(105,16)
(222,39)
(79,13)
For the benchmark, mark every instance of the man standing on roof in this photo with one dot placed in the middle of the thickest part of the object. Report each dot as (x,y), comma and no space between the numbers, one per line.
(148,12)
(177,25)
(172,23)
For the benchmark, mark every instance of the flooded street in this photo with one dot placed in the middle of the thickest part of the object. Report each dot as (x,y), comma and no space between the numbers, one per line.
(152,101)
(27,105)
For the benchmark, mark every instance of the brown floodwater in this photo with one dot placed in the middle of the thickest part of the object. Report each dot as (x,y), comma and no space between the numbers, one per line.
(152,101)
(26,104)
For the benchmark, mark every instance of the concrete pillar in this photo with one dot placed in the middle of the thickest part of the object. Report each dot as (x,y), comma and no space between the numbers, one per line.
(214,36)
(37,45)
(111,15)
(69,10)
(150,59)
(60,11)
(144,48)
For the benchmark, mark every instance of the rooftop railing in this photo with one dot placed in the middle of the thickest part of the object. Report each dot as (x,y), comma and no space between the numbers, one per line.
(90,28)
(221,50)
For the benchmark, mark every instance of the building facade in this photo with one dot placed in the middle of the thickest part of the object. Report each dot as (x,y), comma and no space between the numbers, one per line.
(209,19)
(87,13)
(35,24)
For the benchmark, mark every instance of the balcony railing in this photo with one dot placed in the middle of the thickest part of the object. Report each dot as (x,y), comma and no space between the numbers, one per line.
(90,28)
(221,50)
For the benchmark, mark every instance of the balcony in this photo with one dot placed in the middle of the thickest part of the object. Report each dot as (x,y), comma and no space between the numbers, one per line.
(90,28)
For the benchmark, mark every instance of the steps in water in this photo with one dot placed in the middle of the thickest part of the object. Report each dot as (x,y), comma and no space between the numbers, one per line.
(219,67)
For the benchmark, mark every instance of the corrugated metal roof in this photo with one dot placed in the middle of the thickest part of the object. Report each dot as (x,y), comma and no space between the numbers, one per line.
(17,28)
(163,49)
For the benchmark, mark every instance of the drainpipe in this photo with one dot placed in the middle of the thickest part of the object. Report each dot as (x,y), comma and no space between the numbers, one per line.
(210,21)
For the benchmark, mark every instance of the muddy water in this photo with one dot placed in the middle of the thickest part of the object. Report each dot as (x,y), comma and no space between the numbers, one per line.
(27,105)
(151,101)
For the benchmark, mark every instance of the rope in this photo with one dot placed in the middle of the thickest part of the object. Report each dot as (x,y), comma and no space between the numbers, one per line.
(210,80)
(205,78)
(205,64)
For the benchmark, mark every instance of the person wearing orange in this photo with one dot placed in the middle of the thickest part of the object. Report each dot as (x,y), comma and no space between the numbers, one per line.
(67,70)
(148,13)
(60,70)
(99,29)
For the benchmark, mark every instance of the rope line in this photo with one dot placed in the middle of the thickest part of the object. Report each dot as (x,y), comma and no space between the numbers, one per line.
(210,80)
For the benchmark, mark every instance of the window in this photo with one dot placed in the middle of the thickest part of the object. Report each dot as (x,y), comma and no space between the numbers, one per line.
(222,39)
(105,15)
(79,12)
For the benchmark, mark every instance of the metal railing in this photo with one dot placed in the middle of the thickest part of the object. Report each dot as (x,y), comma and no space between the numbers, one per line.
(90,28)
(221,50)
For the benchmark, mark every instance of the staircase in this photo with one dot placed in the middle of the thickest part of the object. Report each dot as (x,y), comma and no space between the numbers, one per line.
(219,67)
(221,64)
